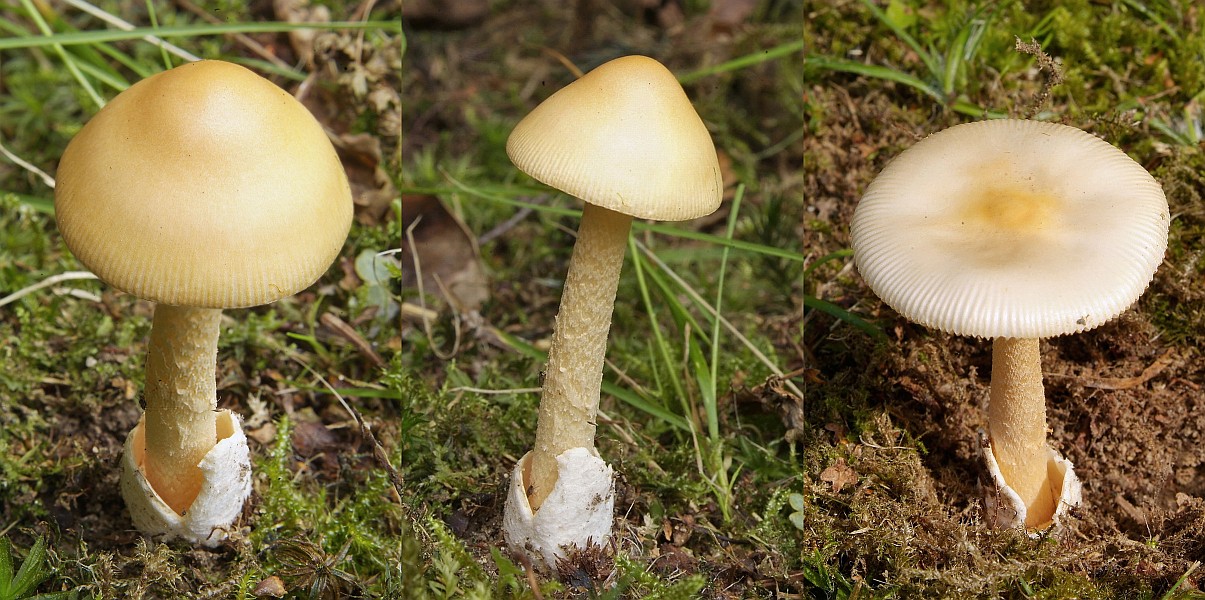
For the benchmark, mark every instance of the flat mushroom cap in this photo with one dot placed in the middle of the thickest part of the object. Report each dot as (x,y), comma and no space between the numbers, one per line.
(624,137)
(206,186)
(1011,228)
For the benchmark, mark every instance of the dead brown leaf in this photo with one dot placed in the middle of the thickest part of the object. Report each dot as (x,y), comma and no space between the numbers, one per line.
(271,587)
(300,11)
(447,255)
(351,83)
(839,475)
(371,188)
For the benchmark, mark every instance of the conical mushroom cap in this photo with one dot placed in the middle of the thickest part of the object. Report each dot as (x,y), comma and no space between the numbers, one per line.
(1011,228)
(207,186)
(624,137)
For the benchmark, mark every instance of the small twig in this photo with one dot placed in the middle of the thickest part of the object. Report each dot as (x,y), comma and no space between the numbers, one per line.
(564,60)
(504,226)
(1124,383)
(418,313)
(418,278)
(525,562)
(28,166)
(1047,65)
(625,378)
(1167,359)
(350,334)
(45,283)
(875,445)
(474,390)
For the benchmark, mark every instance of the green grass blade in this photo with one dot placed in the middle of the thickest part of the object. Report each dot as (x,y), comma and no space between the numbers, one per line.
(682,317)
(199,30)
(844,315)
(720,241)
(713,421)
(102,75)
(707,385)
(1166,129)
(736,64)
(953,60)
(925,55)
(32,571)
(660,345)
(353,392)
(635,401)
(150,11)
(49,37)
(42,205)
(627,396)
(126,61)
(877,72)
(1156,19)
(6,568)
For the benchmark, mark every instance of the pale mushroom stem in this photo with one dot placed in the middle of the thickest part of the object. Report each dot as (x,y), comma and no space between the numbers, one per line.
(181,400)
(1016,416)
(573,377)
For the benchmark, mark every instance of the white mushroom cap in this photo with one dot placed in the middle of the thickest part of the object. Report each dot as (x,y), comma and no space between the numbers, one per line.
(207,186)
(624,137)
(1011,228)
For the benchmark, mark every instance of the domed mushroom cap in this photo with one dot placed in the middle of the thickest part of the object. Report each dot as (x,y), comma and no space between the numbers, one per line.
(1011,228)
(207,186)
(624,137)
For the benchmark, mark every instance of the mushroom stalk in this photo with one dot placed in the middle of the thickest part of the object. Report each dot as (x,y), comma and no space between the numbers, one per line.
(1016,416)
(573,377)
(181,397)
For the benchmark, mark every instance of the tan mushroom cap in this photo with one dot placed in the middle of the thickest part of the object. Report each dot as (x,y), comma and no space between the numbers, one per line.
(206,186)
(1011,228)
(624,137)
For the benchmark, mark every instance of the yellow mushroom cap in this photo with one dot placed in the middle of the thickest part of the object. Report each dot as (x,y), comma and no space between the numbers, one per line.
(205,185)
(1011,228)
(624,137)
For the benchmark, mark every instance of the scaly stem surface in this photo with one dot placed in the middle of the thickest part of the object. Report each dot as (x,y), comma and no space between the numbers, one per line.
(181,400)
(573,377)
(1016,416)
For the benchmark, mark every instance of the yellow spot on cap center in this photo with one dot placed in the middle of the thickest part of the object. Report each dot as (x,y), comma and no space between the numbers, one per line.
(1010,208)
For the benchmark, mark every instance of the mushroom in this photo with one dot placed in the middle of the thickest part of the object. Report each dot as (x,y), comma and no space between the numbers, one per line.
(625,139)
(200,188)
(1013,230)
